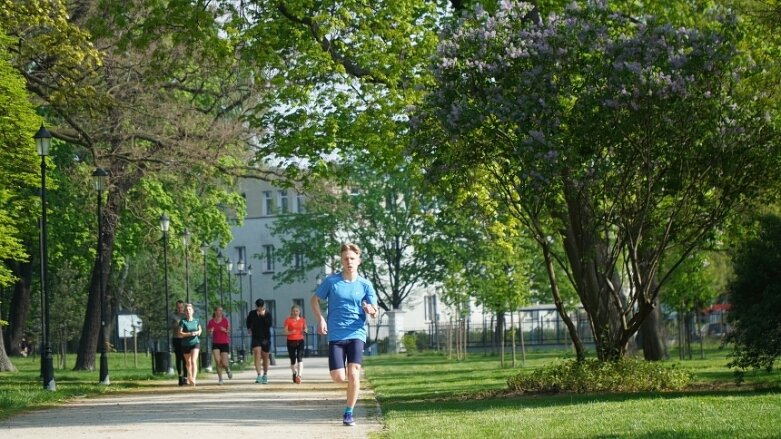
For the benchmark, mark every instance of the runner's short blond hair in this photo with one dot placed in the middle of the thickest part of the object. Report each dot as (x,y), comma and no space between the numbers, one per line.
(349,246)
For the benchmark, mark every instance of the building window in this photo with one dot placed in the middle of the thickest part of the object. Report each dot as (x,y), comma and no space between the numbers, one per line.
(268,203)
(300,205)
(299,261)
(271,307)
(283,201)
(268,256)
(241,255)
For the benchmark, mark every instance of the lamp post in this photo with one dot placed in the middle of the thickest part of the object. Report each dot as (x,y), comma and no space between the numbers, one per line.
(99,178)
(43,140)
(219,265)
(241,273)
(165,222)
(205,357)
(186,242)
(249,273)
(229,267)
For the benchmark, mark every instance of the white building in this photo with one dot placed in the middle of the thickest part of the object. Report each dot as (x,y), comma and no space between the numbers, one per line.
(254,245)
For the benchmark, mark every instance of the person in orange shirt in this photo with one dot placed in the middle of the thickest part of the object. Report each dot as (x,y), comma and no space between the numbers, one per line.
(295,328)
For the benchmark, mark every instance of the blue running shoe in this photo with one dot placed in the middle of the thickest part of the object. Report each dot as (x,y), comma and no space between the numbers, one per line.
(264,379)
(258,380)
(348,420)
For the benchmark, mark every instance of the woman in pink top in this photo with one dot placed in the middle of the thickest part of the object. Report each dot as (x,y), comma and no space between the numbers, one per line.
(220,329)
(295,328)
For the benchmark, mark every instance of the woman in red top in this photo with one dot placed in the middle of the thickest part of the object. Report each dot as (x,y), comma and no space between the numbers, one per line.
(295,328)
(220,330)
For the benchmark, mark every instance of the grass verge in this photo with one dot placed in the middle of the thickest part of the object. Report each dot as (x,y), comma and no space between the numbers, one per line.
(23,390)
(429,396)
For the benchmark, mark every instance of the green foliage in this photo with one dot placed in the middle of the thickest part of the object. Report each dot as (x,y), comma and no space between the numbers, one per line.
(18,162)
(342,75)
(755,295)
(591,375)
(388,213)
(691,284)
(616,137)
(415,342)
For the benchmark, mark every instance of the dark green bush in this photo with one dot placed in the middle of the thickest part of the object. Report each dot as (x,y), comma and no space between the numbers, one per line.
(592,375)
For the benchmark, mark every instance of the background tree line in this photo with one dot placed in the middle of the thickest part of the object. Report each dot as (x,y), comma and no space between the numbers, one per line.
(580,154)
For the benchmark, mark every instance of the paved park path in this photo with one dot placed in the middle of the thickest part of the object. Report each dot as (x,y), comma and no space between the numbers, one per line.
(238,409)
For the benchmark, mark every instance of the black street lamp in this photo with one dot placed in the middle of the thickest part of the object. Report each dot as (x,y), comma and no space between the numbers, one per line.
(249,273)
(231,319)
(186,242)
(241,273)
(99,178)
(165,223)
(205,357)
(219,265)
(43,140)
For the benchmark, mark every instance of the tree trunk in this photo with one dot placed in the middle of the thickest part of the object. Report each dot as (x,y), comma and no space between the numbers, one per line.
(652,335)
(499,328)
(19,310)
(499,335)
(5,361)
(598,287)
(580,350)
(91,330)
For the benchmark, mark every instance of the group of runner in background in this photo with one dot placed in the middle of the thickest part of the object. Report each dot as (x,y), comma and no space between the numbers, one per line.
(350,299)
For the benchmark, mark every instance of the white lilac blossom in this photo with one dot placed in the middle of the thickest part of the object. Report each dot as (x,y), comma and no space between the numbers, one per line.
(529,77)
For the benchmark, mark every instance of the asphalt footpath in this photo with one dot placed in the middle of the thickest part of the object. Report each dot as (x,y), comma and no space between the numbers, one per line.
(240,408)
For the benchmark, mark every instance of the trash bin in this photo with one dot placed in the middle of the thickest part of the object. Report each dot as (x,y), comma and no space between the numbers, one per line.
(206,360)
(162,362)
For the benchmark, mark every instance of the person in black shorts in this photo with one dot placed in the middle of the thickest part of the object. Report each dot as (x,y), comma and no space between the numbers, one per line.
(351,298)
(295,330)
(259,328)
(176,341)
(219,328)
(190,330)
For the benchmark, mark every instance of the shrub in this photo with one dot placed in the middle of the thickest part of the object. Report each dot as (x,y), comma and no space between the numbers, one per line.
(628,375)
(755,294)
(409,341)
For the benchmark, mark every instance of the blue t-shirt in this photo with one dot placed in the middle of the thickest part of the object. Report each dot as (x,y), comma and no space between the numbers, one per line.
(346,318)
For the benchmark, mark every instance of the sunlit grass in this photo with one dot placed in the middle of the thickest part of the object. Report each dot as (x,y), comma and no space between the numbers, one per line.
(430,396)
(23,390)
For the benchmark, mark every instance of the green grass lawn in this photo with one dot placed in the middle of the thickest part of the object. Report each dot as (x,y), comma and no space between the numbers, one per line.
(429,396)
(23,390)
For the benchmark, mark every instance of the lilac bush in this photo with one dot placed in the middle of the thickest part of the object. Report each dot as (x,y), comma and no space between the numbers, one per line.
(620,136)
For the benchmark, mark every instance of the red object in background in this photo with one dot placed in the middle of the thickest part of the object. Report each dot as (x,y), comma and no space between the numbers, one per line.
(719,307)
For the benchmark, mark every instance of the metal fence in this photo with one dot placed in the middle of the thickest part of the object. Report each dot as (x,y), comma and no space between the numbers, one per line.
(532,328)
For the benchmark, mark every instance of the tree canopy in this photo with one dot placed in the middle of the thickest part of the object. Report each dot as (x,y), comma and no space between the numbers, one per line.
(616,136)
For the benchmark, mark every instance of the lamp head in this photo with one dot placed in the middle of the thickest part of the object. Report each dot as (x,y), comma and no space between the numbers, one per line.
(165,223)
(43,140)
(99,178)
